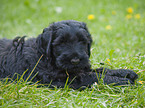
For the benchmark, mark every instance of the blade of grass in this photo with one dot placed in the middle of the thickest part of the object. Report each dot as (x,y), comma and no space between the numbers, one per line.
(34,68)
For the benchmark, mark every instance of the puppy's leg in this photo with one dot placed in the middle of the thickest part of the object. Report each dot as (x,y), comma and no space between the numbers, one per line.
(87,79)
(116,80)
(122,73)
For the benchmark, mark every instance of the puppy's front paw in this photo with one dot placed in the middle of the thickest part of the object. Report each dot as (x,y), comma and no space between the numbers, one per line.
(131,75)
(117,80)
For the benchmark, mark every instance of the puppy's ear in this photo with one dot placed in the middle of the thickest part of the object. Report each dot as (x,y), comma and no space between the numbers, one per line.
(89,38)
(44,41)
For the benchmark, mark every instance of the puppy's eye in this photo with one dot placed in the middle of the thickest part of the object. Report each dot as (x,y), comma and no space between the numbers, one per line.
(63,42)
(59,42)
(83,42)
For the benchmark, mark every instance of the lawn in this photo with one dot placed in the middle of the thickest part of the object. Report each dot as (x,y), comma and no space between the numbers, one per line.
(118,32)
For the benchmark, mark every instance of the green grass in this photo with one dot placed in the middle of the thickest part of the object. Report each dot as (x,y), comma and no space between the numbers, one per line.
(121,47)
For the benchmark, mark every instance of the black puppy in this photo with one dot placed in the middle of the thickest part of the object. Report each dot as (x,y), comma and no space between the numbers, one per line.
(64,50)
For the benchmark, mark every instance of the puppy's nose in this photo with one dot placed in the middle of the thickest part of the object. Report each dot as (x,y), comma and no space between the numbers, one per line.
(75,61)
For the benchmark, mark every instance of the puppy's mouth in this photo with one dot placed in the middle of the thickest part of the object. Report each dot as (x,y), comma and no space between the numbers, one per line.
(73,64)
(74,67)
(69,66)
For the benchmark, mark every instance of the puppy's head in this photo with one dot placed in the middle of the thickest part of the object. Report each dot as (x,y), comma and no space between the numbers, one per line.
(67,44)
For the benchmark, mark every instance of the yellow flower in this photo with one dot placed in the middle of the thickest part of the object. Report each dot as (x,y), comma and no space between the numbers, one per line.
(141,82)
(108,60)
(113,12)
(108,27)
(137,16)
(91,17)
(130,10)
(128,16)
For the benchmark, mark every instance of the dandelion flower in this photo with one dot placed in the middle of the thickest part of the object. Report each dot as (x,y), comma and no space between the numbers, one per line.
(137,16)
(141,82)
(91,17)
(113,12)
(130,10)
(128,16)
(108,60)
(108,27)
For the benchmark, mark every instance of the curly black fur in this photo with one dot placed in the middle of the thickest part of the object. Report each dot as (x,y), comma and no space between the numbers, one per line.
(65,47)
